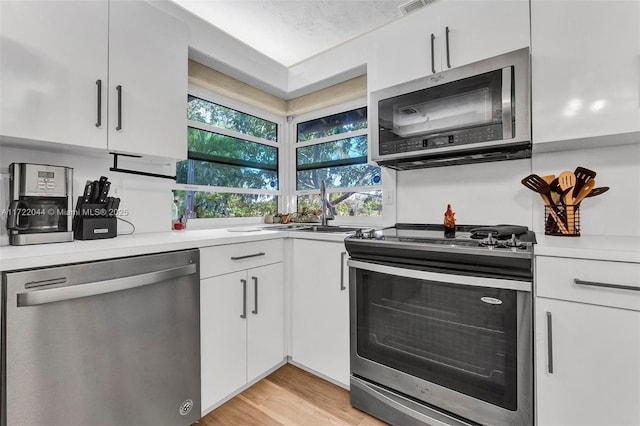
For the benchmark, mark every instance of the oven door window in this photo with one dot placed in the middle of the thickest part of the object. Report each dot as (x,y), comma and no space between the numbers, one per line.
(460,337)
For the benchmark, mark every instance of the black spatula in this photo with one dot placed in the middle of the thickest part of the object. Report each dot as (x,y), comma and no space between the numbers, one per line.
(539,185)
(583,175)
(597,191)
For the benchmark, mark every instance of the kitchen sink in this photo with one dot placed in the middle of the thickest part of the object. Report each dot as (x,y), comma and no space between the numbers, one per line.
(307,227)
(286,227)
(326,228)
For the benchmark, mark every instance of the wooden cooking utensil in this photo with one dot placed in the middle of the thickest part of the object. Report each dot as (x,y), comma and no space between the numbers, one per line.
(549,178)
(583,175)
(566,181)
(586,189)
(539,185)
(561,210)
(555,191)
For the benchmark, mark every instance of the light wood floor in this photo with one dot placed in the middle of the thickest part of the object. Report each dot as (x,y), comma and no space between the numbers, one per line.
(290,396)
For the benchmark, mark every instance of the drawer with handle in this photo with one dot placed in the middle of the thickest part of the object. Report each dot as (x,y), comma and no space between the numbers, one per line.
(219,260)
(605,283)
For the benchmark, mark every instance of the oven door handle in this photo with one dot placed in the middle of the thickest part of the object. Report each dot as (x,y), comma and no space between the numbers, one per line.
(444,278)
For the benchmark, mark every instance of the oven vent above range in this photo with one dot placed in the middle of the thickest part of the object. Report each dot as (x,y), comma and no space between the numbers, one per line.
(502,153)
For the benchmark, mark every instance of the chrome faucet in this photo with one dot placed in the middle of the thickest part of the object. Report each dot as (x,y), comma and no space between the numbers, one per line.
(326,214)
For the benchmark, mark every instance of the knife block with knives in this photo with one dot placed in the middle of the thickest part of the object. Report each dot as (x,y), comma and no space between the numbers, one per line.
(95,214)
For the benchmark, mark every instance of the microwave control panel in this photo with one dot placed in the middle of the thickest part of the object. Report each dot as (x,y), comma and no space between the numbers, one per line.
(487,133)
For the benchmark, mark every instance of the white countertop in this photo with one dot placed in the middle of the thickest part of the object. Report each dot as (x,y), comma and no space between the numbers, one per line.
(40,255)
(612,248)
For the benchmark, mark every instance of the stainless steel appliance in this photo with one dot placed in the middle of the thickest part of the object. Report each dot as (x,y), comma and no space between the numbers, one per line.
(114,342)
(41,206)
(441,328)
(474,113)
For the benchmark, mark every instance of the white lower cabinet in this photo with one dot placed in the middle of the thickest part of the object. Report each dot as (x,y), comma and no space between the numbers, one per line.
(588,364)
(320,308)
(587,342)
(223,342)
(241,326)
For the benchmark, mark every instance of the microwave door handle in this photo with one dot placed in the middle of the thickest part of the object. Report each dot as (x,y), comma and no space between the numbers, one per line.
(507,118)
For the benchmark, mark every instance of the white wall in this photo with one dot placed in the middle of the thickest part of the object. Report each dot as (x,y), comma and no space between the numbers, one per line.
(216,49)
(146,199)
(213,47)
(491,193)
(480,194)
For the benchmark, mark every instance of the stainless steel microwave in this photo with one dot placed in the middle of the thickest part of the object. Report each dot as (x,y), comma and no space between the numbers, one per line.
(473,113)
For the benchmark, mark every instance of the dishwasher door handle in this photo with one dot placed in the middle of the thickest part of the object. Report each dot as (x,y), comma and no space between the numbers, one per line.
(41,297)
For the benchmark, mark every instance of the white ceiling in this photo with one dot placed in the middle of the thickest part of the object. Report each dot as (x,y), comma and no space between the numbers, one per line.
(290,31)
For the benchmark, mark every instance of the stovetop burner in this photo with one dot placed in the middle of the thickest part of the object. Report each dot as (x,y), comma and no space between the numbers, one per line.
(501,250)
(465,235)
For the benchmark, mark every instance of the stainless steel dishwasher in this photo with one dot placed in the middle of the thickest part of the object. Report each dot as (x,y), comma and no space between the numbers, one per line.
(114,342)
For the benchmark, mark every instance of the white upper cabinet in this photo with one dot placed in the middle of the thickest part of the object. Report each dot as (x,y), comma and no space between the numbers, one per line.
(148,62)
(479,30)
(52,54)
(62,61)
(447,34)
(403,50)
(585,68)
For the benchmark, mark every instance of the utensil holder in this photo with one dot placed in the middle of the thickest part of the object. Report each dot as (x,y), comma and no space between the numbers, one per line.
(562,220)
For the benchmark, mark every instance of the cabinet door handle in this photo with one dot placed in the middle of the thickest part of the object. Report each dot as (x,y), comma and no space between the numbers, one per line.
(119,90)
(247,256)
(549,343)
(607,285)
(244,299)
(255,294)
(343,256)
(99,118)
(446,32)
(433,57)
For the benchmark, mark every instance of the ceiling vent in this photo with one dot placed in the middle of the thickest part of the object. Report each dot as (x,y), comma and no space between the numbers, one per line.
(413,5)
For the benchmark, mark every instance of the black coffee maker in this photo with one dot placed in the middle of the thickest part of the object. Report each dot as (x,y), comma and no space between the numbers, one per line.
(41,208)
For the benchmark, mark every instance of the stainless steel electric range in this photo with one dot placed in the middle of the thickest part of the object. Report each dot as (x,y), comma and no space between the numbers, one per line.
(441,328)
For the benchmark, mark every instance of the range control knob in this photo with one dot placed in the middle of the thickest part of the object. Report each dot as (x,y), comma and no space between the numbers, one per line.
(490,241)
(514,243)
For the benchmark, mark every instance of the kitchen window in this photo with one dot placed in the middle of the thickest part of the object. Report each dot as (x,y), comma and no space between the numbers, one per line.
(332,146)
(233,160)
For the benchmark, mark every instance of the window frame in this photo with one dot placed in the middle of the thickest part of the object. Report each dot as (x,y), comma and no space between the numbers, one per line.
(280,145)
(292,166)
